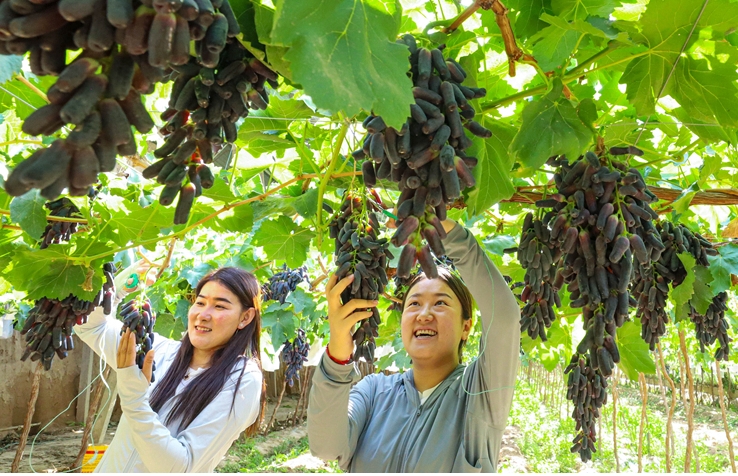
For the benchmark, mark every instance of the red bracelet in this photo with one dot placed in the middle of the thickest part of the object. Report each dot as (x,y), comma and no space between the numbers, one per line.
(340,362)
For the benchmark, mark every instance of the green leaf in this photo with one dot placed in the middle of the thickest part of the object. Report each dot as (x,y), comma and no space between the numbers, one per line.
(220,191)
(681,294)
(303,302)
(284,240)
(703,294)
(498,243)
(553,45)
(183,308)
(343,52)
(307,203)
(280,320)
(15,95)
(9,67)
(565,132)
(634,354)
(527,21)
(581,9)
(706,91)
(131,222)
(50,273)
(169,327)
(722,266)
(29,212)
(492,173)
(238,220)
(666,31)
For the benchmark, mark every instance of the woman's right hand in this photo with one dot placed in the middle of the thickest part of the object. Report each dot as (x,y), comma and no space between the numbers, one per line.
(342,318)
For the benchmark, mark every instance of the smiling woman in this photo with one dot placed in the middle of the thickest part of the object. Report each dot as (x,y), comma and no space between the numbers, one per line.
(212,387)
(440,416)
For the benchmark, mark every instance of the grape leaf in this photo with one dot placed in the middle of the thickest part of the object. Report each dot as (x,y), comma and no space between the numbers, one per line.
(29,212)
(238,220)
(706,91)
(307,203)
(169,327)
(492,173)
(553,45)
(682,293)
(303,302)
(722,266)
(50,273)
(9,67)
(280,320)
(581,9)
(634,354)
(131,222)
(527,21)
(343,52)
(565,131)
(284,240)
(703,294)
(666,29)
(18,97)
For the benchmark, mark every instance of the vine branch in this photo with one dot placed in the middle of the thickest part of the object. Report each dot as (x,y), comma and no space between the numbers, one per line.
(30,86)
(165,264)
(514,53)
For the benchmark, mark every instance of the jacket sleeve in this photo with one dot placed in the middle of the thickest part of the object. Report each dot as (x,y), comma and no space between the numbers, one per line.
(337,413)
(490,380)
(102,334)
(207,438)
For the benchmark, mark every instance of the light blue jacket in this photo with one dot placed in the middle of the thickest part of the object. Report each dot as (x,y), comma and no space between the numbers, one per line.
(379,425)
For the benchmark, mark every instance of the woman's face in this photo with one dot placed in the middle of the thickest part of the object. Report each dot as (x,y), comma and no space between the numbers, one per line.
(432,326)
(214,317)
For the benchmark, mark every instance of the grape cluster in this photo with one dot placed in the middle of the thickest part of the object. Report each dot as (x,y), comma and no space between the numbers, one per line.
(59,231)
(587,390)
(138,316)
(294,354)
(593,236)
(360,251)
(713,326)
(127,46)
(426,156)
(48,328)
(205,102)
(281,284)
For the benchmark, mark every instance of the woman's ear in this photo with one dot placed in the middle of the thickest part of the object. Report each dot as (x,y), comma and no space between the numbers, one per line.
(466,328)
(246,317)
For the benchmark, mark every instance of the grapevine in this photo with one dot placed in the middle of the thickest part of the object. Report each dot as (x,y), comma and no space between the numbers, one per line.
(138,316)
(361,253)
(48,328)
(294,354)
(426,156)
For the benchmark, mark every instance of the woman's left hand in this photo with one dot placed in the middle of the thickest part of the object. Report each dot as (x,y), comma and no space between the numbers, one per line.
(127,354)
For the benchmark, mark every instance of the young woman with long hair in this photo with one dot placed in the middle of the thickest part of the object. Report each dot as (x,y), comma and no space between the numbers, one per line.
(208,387)
(440,416)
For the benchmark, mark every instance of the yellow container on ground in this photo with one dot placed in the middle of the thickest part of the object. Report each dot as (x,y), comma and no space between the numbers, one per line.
(92,457)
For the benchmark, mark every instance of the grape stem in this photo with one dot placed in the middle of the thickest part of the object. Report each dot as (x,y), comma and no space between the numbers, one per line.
(329,173)
(53,218)
(30,86)
(514,53)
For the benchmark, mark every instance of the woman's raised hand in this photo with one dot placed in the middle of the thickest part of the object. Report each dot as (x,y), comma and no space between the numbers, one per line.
(342,318)
(127,355)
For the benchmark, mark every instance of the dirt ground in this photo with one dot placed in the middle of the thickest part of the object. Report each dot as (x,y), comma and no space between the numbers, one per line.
(56,449)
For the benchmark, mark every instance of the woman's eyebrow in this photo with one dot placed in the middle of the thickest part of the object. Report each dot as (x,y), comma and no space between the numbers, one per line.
(216,298)
(436,294)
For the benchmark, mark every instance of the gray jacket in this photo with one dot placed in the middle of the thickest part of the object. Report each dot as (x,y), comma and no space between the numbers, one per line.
(379,425)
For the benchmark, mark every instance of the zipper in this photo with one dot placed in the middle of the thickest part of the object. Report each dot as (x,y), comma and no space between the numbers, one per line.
(407,437)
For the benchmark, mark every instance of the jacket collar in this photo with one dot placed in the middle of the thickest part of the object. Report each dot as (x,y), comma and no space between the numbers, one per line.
(409,382)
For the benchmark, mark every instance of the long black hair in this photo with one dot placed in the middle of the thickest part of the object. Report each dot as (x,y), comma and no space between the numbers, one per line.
(244,345)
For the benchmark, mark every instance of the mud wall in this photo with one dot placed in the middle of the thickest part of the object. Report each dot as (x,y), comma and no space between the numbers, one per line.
(58,386)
